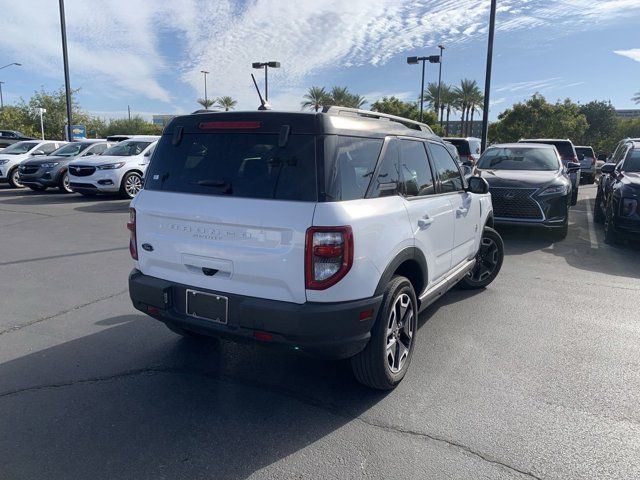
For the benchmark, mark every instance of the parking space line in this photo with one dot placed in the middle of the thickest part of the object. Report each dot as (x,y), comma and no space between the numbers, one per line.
(593,239)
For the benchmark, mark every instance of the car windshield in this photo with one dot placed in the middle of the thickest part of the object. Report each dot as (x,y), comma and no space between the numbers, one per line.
(586,151)
(70,150)
(19,148)
(248,165)
(127,148)
(632,163)
(496,158)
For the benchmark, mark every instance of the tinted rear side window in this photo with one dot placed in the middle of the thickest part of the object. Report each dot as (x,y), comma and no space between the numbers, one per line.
(245,165)
(586,151)
(417,179)
(350,162)
(462,145)
(565,148)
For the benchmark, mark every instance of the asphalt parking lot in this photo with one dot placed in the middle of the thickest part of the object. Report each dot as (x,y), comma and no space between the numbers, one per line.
(537,376)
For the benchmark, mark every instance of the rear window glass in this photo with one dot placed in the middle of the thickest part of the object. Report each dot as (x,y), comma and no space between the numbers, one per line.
(632,163)
(461,144)
(586,151)
(565,148)
(349,166)
(495,158)
(249,165)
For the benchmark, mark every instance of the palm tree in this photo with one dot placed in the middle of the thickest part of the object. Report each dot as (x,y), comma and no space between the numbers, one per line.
(227,103)
(636,98)
(315,98)
(476,104)
(431,95)
(448,101)
(465,93)
(206,103)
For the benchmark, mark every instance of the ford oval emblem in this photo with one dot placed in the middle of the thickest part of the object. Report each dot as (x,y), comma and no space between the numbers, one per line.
(148,247)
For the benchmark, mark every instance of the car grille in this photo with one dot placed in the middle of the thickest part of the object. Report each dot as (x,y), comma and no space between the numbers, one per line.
(81,171)
(515,203)
(28,169)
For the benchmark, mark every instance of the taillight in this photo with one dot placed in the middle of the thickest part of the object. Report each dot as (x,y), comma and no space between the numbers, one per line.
(328,256)
(133,241)
(472,159)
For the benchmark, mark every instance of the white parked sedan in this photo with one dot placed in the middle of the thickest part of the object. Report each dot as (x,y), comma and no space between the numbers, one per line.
(12,156)
(118,170)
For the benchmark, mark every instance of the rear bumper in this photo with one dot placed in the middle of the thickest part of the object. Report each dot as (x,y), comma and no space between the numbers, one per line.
(326,330)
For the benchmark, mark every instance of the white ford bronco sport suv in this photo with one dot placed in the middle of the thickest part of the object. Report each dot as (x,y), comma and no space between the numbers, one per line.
(322,232)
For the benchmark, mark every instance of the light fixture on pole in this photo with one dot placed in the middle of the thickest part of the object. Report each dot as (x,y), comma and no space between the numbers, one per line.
(266,66)
(487,81)
(9,64)
(206,99)
(415,61)
(42,111)
(439,104)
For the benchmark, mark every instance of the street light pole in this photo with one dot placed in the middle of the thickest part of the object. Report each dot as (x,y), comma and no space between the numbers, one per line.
(43,110)
(65,57)
(441,47)
(1,100)
(205,73)
(414,61)
(266,66)
(487,82)
(9,64)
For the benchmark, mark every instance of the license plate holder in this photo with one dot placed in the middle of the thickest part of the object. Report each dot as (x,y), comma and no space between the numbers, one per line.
(207,306)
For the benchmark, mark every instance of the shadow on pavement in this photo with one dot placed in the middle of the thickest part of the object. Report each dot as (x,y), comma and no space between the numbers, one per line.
(95,407)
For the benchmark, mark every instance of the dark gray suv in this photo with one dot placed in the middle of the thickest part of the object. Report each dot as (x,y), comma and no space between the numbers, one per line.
(51,171)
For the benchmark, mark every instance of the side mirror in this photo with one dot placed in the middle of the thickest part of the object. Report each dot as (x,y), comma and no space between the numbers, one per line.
(38,152)
(602,157)
(478,185)
(608,168)
(573,167)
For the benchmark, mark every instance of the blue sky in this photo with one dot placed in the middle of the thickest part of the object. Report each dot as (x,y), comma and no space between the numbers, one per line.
(148,54)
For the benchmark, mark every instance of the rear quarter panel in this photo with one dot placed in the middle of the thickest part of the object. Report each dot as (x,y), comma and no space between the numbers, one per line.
(381,230)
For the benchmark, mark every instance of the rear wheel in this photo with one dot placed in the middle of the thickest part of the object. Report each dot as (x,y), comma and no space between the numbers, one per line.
(14,178)
(37,188)
(63,185)
(131,185)
(488,261)
(385,360)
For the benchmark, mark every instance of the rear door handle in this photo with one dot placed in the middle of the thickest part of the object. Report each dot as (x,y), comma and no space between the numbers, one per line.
(424,222)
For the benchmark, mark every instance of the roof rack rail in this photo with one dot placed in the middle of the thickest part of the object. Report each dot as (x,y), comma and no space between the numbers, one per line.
(412,124)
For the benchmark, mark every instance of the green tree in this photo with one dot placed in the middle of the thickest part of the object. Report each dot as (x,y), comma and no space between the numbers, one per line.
(395,106)
(226,102)
(537,118)
(602,120)
(206,104)
(636,98)
(431,95)
(134,126)
(315,98)
(476,104)
(341,96)
(16,118)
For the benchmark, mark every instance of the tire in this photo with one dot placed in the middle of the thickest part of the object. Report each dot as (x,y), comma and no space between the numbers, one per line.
(13,178)
(561,232)
(488,261)
(63,184)
(131,185)
(598,214)
(37,188)
(574,197)
(610,235)
(385,360)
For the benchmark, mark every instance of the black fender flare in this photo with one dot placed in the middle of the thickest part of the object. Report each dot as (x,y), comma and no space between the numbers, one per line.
(409,253)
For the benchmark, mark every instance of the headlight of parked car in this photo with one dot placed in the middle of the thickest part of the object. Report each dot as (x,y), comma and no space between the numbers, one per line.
(49,165)
(111,166)
(555,190)
(629,206)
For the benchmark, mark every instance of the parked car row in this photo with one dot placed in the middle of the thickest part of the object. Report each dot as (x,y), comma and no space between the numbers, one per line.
(113,166)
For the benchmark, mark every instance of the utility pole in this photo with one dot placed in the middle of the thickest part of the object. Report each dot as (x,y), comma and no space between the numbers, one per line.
(1,100)
(487,82)
(129,111)
(65,57)
(205,73)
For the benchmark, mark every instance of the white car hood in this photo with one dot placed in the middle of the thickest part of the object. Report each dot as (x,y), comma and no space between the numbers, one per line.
(15,158)
(102,159)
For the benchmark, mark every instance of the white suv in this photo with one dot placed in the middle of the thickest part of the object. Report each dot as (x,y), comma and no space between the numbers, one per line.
(12,156)
(325,233)
(119,169)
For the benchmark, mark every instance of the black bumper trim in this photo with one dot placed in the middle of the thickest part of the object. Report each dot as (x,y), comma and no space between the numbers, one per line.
(326,330)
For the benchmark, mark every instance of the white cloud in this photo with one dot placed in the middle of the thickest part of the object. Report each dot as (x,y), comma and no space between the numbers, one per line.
(138,48)
(633,54)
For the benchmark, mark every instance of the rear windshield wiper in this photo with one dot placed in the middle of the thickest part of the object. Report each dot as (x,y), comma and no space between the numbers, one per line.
(227,187)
